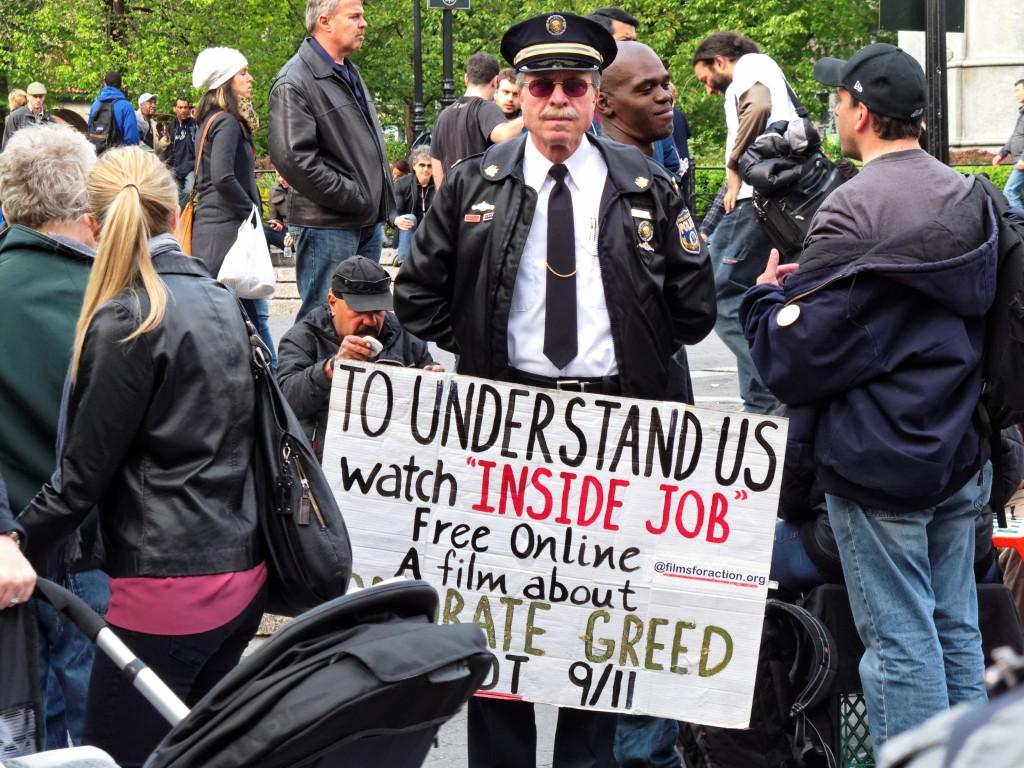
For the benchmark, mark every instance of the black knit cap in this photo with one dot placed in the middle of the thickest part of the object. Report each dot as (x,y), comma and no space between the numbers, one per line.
(558,41)
(885,78)
(363,284)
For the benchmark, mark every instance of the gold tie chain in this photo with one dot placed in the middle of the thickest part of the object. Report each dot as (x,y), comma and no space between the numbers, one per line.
(558,274)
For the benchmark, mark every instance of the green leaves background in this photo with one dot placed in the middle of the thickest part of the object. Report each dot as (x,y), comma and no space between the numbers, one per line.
(70,44)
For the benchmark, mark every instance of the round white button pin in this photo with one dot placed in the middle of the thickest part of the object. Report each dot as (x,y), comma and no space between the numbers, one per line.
(787,315)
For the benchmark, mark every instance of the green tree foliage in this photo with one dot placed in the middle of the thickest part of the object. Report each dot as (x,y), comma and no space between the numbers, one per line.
(69,44)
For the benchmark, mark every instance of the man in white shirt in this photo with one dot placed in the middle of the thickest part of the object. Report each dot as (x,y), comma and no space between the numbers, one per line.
(558,260)
(756,95)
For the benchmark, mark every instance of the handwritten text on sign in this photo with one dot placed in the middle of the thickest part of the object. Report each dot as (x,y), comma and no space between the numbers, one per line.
(614,551)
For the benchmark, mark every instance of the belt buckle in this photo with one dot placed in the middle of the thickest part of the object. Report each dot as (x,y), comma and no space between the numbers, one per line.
(567,384)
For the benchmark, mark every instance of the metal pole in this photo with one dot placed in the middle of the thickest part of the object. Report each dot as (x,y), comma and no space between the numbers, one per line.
(448,86)
(418,123)
(935,68)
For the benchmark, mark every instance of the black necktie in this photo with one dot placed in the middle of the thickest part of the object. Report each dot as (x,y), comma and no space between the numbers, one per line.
(560,304)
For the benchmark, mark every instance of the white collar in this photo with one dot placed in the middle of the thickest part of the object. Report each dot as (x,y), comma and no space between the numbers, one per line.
(584,165)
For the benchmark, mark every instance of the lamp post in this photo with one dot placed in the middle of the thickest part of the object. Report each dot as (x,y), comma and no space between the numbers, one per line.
(936,114)
(418,121)
(448,84)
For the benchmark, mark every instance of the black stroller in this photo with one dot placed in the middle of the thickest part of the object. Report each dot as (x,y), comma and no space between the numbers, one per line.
(363,680)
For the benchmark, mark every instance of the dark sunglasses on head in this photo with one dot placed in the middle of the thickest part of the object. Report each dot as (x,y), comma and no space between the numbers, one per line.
(544,87)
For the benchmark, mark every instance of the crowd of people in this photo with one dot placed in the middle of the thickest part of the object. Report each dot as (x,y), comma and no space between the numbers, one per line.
(543,238)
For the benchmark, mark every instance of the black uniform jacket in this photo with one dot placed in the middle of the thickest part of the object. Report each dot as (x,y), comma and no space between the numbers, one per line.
(159,434)
(306,348)
(456,286)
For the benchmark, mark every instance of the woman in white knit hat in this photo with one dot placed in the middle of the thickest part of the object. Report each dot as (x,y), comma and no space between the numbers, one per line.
(226,184)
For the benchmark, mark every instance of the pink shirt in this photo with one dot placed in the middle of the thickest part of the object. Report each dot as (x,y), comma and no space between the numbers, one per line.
(182,605)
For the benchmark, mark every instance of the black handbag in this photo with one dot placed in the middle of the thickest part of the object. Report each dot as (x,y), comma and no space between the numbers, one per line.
(309,555)
(789,186)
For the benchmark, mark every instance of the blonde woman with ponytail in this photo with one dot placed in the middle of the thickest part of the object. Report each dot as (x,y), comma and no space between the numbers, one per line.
(158,432)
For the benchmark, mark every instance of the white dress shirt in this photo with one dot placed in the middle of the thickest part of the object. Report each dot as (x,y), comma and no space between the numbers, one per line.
(587,176)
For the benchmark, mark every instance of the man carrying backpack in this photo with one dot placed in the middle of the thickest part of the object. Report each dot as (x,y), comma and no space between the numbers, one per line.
(874,338)
(112,120)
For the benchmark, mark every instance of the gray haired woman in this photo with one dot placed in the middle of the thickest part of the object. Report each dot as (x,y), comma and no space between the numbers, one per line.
(414,193)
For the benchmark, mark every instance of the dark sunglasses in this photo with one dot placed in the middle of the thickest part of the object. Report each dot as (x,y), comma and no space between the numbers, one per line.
(544,87)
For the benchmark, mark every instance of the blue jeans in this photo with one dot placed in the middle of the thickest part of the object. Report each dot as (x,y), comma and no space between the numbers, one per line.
(910,578)
(185,187)
(405,237)
(65,661)
(739,251)
(318,252)
(646,742)
(258,311)
(792,568)
(1014,189)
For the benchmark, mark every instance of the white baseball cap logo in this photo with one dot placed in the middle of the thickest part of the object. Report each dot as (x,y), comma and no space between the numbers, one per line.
(858,87)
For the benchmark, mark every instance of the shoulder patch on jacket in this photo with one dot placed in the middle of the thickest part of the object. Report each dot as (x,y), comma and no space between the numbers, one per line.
(689,240)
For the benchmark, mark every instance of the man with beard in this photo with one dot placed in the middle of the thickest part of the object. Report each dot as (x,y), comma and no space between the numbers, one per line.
(557,260)
(356,323)
(729,64)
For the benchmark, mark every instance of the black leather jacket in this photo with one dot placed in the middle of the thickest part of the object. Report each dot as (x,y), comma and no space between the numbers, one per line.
(321,142)
(159,434)
(456,286)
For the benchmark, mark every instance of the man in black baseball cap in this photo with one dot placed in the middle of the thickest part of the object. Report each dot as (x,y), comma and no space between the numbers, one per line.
(885,78)
(363,284)
(874,340)
(356,323)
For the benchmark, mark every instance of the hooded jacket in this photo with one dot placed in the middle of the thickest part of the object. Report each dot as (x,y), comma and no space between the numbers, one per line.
(878,355)
(306,348)
(124,115)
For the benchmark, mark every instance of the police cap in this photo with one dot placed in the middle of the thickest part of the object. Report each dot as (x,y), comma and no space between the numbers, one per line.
(558,41)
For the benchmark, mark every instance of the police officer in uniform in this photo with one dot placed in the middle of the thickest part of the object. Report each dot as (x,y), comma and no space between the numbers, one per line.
(558,260)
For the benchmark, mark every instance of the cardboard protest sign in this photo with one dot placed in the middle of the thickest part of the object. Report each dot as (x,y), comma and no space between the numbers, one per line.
(614,551)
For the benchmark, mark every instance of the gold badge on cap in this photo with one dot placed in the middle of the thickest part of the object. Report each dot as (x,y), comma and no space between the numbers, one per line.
(641,182)
(491,170)
(787,315)
(555,25)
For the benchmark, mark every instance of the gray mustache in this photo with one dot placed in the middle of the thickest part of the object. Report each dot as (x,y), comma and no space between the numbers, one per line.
(566,113)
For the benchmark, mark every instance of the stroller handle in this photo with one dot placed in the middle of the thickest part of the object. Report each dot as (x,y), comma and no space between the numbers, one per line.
(98,631)
(85,618)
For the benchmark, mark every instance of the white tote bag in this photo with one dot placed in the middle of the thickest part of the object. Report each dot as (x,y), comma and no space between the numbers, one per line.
(247,269)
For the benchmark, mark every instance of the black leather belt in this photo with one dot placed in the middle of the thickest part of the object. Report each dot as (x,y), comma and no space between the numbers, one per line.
(600,385)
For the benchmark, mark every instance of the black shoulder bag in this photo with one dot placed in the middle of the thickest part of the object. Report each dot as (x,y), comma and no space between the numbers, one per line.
(788,187)
(309,556)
